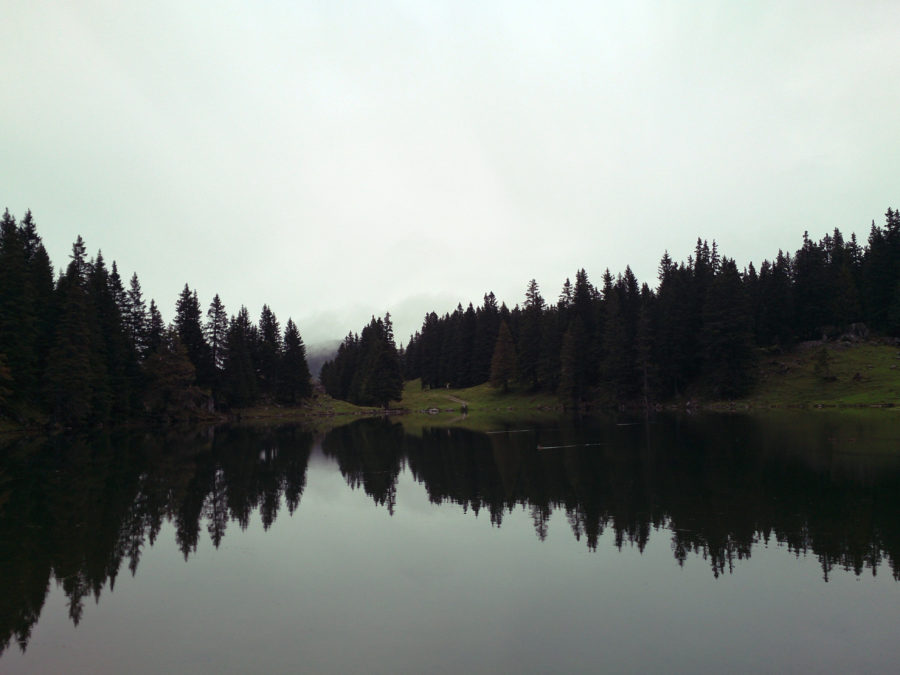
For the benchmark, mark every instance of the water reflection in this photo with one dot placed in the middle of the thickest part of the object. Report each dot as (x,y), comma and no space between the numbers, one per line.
(77,510)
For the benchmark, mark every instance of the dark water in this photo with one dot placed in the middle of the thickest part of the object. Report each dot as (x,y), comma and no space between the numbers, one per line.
(726,544)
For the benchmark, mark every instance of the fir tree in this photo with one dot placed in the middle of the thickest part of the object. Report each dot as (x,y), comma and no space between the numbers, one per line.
(529,344)
(171,394)
(572,380)
(135,318)
(728,349)
(294,382)
(155,329)
(239,377)
(268,351)
(503,362)
(215,332)
(190,332)
(70,376)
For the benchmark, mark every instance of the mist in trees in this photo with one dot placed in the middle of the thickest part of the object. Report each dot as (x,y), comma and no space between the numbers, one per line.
(367,369)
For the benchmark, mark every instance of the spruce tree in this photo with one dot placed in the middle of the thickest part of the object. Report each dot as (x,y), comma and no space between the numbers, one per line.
(294,381)
(155,328)
(268,351)
(135,318)
(215,331)
(239,377)
(530,333)
(190,332)
(572,379)
(503,362)
(171,393)
(70,376)
(726,338)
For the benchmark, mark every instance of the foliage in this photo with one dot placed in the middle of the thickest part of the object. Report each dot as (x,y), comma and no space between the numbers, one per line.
(503,362)
(86,351)
(367,369)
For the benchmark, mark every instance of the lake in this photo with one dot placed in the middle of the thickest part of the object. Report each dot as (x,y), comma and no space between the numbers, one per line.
(711,543)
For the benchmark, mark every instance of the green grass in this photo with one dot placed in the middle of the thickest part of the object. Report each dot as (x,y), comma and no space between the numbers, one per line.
(319,411)
(864,375)
(486,408)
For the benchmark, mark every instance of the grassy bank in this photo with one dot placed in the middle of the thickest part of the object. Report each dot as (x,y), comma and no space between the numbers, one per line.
(480,407)
(319,411)
(851,375)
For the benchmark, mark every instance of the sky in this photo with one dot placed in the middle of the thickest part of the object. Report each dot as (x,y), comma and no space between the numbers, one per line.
(339,160)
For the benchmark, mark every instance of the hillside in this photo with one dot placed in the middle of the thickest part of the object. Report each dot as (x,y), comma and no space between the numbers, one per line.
(850,374)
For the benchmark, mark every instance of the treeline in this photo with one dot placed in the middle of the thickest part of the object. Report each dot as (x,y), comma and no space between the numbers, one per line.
(367,369)
(700,328)
(85,350)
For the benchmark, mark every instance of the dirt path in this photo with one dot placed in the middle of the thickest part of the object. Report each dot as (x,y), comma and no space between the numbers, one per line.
(457,400)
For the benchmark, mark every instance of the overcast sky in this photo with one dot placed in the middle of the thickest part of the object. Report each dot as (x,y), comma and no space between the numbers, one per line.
(342,159)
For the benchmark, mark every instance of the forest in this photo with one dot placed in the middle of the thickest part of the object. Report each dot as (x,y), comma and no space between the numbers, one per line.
(700,330)
(84,350)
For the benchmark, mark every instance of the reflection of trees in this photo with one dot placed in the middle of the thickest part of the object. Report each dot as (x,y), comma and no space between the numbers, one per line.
(369,455)
(721,485)
(75,510)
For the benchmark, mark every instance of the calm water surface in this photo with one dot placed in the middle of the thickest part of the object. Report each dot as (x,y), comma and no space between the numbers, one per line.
(723,543)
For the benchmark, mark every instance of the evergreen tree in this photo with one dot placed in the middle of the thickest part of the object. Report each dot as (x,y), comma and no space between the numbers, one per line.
(487,324)
(239,376)
(294,383)
(385,379)
(572,379)
(155,329)
(190,332)
(135,318)
(726,337)
(115,368)
(268,351)
(70,377)
(530,333)
(215,332)
(19,320)
(171,394)
(503,362)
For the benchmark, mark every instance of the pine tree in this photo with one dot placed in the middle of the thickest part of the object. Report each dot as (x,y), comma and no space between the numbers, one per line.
(171,394)
(572,380)
(726,337)
(155,329)
(487,323)
(18,319)
(215,331)
(239,377)
(503,362)
(529,344)
(268,351)
(115,388)
(70,376)
(294,382)
(190,332)
(135,318)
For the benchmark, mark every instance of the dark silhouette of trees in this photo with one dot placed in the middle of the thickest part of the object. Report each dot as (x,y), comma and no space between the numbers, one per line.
(503,363)
(76,350)
(367,368)
(294,382)
(87,351)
